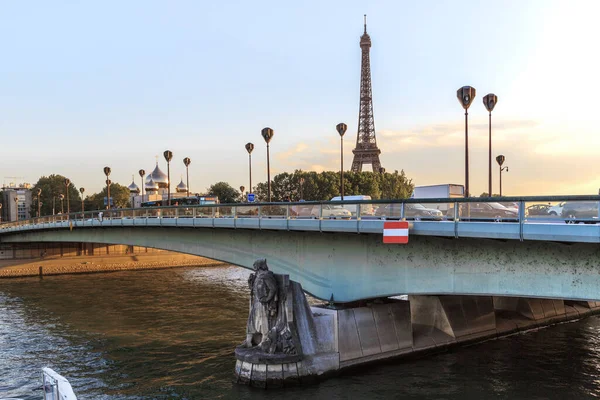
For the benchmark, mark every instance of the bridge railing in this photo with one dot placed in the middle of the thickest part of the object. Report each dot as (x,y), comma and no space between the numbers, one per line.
(516,210)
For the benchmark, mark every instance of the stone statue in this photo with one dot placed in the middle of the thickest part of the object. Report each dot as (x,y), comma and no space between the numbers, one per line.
(267,329)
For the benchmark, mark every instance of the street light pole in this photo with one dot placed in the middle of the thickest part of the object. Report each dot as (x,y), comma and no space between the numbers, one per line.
(38,192)
(67,183)
(168,156)
(107,173)
(267,134)
(500,160)
(187,161)
(81,190)
(142,175)
(301,188)
(489,101)
(341,128)
(465,96)
(62,209)
(16,207)
(242,190)
(249,148)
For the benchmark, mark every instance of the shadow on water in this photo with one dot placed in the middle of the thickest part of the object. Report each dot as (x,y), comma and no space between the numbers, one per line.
(170,334)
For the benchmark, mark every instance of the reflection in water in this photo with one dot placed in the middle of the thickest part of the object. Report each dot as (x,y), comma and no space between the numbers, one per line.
(171,333)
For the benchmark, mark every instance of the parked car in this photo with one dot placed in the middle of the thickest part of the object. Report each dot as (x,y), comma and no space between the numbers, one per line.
(574,210)
(557,209)
(411,210)
(365,209)
(485,212)
(537,209)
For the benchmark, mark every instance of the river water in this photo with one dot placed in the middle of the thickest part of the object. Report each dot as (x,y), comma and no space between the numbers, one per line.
(170,334)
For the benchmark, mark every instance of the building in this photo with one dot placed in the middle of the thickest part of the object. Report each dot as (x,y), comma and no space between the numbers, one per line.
(22,194)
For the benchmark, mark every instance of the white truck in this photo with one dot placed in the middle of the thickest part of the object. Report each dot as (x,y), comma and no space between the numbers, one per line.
(445,191)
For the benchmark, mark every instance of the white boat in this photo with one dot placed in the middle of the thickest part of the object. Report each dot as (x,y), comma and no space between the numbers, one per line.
(55,386)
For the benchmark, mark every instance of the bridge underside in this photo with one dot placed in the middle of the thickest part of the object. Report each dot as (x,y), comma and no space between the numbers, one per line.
(349,267)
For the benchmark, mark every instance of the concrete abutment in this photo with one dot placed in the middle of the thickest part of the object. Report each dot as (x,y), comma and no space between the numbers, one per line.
(341,336)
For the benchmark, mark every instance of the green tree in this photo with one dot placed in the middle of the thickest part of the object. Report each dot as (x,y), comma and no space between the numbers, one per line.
(52,187)
(225,192)
(486,194)
(120,196)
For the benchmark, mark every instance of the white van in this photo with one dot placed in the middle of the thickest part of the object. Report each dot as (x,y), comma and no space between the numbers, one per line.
(365,209)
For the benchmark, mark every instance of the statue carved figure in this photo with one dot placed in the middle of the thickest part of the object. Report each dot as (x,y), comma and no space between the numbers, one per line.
(267,328)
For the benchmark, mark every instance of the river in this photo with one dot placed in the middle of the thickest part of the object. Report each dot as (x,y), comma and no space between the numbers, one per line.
(170,334)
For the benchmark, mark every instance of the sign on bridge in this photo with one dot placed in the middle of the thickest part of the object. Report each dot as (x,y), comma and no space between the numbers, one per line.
(395,232)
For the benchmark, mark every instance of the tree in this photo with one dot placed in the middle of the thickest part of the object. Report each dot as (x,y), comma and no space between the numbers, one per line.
(225,192)
(52,187)
(486,194)
(121,198)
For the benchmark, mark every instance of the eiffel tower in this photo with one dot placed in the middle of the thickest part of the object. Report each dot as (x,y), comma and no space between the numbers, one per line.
(366,151)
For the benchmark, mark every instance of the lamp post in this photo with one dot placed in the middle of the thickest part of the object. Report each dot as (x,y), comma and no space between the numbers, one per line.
(67,183)
(107,173)
(341,128)
(249,148)
(301,188)
(0,213)
(489,101)
(168,156)
(62,198)
(81,190)
(142,175)
(267,134)
(242,190)
(38,192)
(187,161)
(465,96)
(16,207)
(500,160)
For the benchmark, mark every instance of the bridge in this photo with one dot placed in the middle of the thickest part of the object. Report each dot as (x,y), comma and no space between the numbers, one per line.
(469,274)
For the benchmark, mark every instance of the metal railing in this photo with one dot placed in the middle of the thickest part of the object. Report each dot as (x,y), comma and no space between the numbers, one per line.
(514,210)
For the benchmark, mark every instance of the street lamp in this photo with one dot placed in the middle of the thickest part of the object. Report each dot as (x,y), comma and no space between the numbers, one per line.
(242,190)
(489,101)
(168,156)
(301,188)
(267,134)
(465,96)
(500,159)
(142,175)
(81,190)
(341,128)
(249,148)
(62,209)
(67,183)
(187,161)
(38,192)
(107,173)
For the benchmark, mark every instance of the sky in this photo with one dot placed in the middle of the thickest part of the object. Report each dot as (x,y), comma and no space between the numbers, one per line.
(85,85)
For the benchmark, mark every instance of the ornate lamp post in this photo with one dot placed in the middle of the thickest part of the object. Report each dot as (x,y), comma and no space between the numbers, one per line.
(142,175)
(341,128)
(489,101)
(67,183)
(465,96)
(107,173)
(168,156)
(249,148)
(62,198)
(187,161)
(301,188)
(500,160)
(242,190)
(267,134)
(38,192)
(81,190)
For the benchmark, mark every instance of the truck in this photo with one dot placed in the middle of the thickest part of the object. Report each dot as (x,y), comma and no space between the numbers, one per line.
(445,191)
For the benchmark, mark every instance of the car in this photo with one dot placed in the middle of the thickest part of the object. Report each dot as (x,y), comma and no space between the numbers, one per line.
(537,209)
(556,210)
(574,210)
(331,211)
(485,212)
(411,210)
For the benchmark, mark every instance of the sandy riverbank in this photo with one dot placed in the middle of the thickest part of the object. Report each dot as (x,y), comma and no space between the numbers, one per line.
(97,264)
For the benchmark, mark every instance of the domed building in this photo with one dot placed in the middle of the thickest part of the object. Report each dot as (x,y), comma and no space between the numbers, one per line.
(159,177)
(182,187)
(151,186)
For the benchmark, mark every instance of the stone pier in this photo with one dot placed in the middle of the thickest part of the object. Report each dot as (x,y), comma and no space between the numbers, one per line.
(332,338)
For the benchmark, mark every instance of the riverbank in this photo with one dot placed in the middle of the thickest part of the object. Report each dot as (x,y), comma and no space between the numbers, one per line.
(100,264)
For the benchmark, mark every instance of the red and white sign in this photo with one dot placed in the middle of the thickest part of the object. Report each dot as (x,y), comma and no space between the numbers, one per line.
(395,232)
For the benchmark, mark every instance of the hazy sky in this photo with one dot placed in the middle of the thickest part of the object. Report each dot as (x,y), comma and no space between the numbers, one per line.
(89,84)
